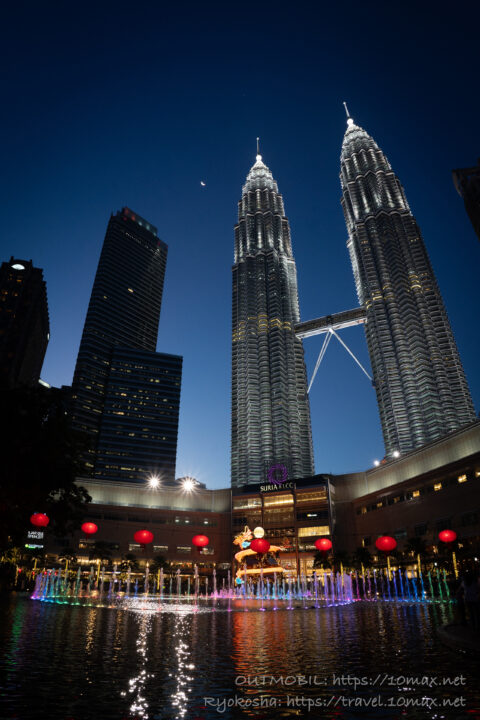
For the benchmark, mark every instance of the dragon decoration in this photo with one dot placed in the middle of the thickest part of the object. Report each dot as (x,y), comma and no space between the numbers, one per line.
(265,563)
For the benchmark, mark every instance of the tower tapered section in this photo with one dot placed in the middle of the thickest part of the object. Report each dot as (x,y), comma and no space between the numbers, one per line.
(421,387)
(270,407)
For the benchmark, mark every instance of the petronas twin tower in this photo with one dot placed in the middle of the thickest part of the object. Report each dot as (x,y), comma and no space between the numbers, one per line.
(270,409)
(421,388)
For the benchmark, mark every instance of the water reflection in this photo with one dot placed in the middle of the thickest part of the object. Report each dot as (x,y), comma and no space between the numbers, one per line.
(90,663)
(182,671)
(137,684)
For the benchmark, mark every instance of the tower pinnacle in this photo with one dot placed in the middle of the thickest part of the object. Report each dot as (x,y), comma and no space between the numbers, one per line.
(349,118)
(259,157)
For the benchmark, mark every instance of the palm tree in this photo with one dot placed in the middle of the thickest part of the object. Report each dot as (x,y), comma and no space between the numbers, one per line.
(67,556)
(12,555)
(341,559)
(362,557)
(35,557)
(321,560)
(102,551)
(416,546)
(129,562)
(160,563)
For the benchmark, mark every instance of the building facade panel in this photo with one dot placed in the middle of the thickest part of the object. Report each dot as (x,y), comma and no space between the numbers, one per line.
(139,423)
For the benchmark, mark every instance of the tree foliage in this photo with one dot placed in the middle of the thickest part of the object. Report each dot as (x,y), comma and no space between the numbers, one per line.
(129,562)
(101,550)
(41,456)
(159,563)
(416,545)
(362,556)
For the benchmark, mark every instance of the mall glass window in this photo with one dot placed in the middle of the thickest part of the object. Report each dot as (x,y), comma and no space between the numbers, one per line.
(310,497)
(243,503)
(276,500)
(311,531)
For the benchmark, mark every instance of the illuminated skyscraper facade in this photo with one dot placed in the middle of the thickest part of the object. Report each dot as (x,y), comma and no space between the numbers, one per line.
(421,387)
(125,395)
(271,434)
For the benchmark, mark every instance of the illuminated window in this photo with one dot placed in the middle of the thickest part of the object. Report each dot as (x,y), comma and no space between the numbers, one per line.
(379,504)
(416,493)
(271,500)
(242,503)
(477,473)
(130,290)
(363,510)
(311,496)
(311,531)
(462,478)
(437,486)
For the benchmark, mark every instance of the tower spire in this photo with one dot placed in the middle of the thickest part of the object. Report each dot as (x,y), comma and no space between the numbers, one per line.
(349,117)
(259,157)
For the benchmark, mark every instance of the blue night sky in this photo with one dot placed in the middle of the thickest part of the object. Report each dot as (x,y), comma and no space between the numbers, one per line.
(134,104)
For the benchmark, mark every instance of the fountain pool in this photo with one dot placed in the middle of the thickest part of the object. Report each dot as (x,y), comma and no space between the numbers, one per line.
(79,662)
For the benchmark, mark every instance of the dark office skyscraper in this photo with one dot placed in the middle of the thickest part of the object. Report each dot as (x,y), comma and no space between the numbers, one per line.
(139,423)
(467,182)
(24,323)
(270,407)
(421,388)
(122,317)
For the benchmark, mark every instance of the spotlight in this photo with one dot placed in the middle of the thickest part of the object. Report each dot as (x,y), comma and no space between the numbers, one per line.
(376,463)
(396,454)
(153,481)
(188,484)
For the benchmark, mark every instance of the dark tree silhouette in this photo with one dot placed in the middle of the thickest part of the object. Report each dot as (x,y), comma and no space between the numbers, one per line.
(362,556)
(40,460)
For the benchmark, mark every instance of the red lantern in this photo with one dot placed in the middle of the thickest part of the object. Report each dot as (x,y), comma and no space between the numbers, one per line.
(39,519)
(385,543)
(447,536)
(260,545)
(143,537)
(323,544)
(89,528)
(200,541)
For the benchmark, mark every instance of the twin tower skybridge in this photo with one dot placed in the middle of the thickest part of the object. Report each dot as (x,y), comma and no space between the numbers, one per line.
(328,326)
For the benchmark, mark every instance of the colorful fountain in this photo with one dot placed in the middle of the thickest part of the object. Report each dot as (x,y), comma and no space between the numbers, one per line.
(260,583)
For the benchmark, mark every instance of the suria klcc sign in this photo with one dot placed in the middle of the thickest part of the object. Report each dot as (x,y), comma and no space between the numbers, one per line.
(277,478)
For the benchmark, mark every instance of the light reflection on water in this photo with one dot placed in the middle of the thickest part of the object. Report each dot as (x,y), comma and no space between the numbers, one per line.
(89,663)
